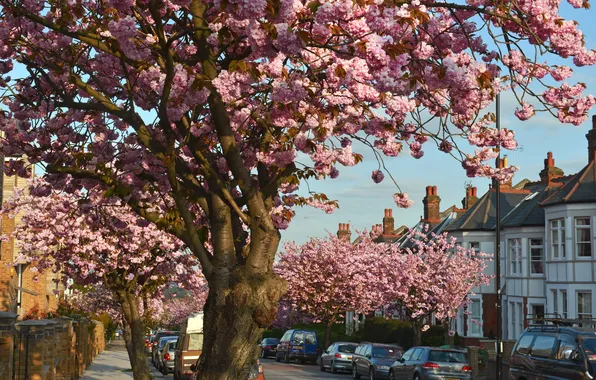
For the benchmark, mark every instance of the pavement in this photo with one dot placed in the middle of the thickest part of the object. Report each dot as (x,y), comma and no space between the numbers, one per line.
(114,364)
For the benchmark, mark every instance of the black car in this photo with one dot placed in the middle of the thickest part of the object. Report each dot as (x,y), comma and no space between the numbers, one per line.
(268,347)
(374,360)
(554,352)
(338,357)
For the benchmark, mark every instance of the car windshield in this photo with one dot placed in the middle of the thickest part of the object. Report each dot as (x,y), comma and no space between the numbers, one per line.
(271,341)
(385,352)
(164,341)
(590,348)
(347,348)
(447,356)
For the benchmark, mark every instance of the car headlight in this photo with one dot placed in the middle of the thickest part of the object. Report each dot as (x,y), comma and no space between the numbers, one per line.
(382,367)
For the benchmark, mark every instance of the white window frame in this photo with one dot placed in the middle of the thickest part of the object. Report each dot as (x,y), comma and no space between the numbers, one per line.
(473,328)
(557,238)
(515,254)
(536,246)
(564,303)
(584,313)
(583,227)
(476,249)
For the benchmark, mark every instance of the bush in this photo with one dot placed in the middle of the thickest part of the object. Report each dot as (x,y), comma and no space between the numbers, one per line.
(381,330)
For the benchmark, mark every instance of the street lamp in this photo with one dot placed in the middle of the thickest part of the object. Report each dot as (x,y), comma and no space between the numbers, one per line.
(498,245)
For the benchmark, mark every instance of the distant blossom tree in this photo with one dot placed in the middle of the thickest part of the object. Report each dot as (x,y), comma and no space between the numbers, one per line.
(435,276)
(100,244)
(175,310)
(193,113)
(328,277)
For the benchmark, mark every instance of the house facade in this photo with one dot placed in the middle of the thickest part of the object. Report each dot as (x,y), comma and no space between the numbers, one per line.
(20,290)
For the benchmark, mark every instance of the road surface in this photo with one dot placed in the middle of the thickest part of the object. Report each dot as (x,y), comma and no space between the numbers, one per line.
(293,371)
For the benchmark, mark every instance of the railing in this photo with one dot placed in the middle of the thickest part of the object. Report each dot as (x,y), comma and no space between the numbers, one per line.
(554,320)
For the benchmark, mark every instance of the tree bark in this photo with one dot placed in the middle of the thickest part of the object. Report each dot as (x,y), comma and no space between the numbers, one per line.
(417,326)
(127,339)
(328,329)
(138,357)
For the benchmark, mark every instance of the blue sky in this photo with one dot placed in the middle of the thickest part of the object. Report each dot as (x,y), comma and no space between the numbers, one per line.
(362,202)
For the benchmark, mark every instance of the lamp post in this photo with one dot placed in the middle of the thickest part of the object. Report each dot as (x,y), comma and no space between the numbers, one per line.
(498,246)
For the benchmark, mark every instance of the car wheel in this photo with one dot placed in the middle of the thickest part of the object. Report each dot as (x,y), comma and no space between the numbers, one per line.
(355,374)
(164,370)
(277,358)
(371,373)
(322,366)
(333,369)
(391,375)
(262,354)
(287,358)
(416,377)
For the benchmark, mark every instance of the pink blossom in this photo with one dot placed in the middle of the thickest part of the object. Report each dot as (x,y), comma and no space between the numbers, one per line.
(377,176)
(402,200)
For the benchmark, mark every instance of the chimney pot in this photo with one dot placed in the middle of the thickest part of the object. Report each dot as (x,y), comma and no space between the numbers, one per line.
(348,227)
(428,190)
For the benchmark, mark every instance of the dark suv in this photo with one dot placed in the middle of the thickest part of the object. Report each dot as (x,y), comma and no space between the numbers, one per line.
(557,351)
(374,360)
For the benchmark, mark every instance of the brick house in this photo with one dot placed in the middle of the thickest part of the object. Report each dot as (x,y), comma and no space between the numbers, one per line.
(18,290)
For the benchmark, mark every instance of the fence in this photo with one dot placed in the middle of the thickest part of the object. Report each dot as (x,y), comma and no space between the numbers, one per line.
(54,349)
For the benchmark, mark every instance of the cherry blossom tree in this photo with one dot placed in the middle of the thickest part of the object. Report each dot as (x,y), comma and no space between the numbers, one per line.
(435,276)
(104,246)
(176,310)
(328,277)
(193,112)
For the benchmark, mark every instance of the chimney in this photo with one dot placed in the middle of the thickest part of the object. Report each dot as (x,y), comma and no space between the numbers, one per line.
(388,222)
(591,136)
(432,205)
(503,163)
(344,231)
(550,172)
(471,197)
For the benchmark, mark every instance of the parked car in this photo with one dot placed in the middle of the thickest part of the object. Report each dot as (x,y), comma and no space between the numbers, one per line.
(554,352)
(148,345)
(189,347)
(256,371)
(268,347)
(338,357)
(160,345)
(155,341)
(298,344)
(167,354)
(429,363)
(374,360)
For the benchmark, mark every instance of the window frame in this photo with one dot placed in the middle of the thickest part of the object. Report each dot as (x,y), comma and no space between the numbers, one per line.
(531,247)
(583,227)
(476,249)
(564,301)
(515,253)
(583,313)
(555,303)
(557,229)
(471,325)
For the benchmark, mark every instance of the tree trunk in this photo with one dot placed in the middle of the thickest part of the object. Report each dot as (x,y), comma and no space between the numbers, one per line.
(449,339)
(138,357)
(127,339)
(328,329)
(417,326)
(235,318)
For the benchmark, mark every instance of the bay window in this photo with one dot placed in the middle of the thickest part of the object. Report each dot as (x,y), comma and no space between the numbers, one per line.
(515,253)
(583,237)
(557,236)
(584,305)
(536,256)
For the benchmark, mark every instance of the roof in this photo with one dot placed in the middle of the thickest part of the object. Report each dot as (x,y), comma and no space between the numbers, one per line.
(482,215)
(581,188)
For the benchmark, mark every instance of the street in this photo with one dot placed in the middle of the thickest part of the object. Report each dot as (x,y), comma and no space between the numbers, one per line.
(293,371)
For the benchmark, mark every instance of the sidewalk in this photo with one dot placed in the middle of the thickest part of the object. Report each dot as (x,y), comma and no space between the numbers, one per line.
(111,364)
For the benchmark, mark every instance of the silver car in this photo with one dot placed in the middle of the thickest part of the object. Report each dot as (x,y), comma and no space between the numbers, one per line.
(166,356)
(432,363)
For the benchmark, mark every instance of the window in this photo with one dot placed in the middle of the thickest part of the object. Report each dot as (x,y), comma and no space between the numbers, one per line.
(475,245)
(408,354)
(520,319)
(195,342)
(566,343)
(583,237)
(564,302)
(555,301)
(584,305)
(298,338)
(513,325)
(515,255)
(475,318)
(537,312)
(417,354)
(523,346)
(557,233)
(543,346)
(536,256)
(311,338)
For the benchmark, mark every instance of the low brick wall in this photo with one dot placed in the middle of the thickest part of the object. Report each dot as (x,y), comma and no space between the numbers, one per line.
(58,349)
